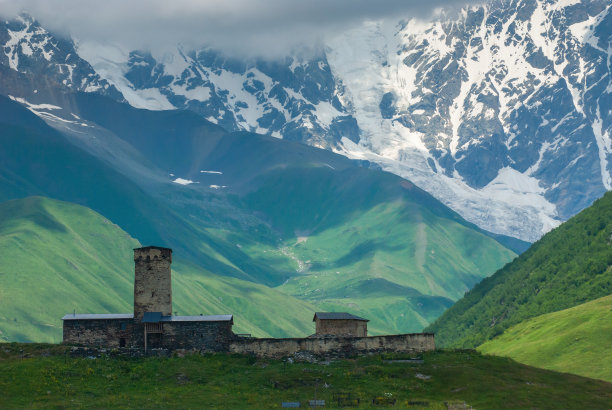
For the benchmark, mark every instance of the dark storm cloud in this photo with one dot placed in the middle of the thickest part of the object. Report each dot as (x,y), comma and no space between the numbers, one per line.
(244,26)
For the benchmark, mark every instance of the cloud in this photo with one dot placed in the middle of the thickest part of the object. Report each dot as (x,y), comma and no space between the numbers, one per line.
(263,27)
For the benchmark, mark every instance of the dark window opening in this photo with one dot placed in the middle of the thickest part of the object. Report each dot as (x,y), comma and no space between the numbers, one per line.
(122,342)
(123,325)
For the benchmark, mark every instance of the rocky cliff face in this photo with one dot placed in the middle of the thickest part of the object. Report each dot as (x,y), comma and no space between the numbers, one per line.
(504,112)
(297,98)
(28,48)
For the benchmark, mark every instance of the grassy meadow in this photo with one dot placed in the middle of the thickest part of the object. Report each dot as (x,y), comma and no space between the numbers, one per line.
(575,340)
(44,376)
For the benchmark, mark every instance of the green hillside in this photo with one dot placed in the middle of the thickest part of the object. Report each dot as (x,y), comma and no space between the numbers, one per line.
(293,218)
(43,376)
(361,241)
(398,260)
(575,340)
(57,257)
(569,266)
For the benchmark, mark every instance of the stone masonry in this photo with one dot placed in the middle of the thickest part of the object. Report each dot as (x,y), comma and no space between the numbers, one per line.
(109,332)
(335,346)
(340,324)
(152,281)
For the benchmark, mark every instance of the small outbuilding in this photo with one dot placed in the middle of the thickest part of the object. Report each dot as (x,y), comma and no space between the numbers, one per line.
(340,324)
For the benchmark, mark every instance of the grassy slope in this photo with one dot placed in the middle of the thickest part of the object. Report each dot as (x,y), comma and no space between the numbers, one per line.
(49,378)
(575,340)
(568,266)
(373,244)
(58,257)
(37,160)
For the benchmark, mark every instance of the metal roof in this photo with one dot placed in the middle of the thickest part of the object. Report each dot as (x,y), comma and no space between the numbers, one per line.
(152,317)
(153,247)
(98,316)
(199,318)
(337,316)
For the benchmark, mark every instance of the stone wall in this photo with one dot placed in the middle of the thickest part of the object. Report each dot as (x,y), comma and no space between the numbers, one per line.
(335,346)
(213,336)
(152,281)
(342,327)
(107,332)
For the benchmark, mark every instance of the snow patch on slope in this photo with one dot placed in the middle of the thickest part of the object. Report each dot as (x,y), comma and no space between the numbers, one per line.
(182,181)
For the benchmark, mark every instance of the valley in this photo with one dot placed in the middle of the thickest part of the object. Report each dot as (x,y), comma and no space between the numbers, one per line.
(360,221)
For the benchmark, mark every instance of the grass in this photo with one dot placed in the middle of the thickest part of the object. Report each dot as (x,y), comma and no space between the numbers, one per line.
(37,376)
(58,257)
(575,340)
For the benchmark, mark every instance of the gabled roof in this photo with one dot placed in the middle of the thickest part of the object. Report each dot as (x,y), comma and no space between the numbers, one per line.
(149,317)
(98,316)
(337,316)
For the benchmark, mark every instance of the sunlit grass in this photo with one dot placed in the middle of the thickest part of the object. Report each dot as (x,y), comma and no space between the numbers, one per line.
(576,340)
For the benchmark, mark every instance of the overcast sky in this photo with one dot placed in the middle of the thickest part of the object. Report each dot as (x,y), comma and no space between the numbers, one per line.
(243,26)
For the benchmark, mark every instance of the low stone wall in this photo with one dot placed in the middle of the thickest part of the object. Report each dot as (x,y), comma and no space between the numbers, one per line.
(335,346)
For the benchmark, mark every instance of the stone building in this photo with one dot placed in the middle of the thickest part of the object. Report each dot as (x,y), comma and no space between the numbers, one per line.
(152,324)
(340,324)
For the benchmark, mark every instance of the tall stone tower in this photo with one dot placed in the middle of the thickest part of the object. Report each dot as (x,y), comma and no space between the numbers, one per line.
(152,281)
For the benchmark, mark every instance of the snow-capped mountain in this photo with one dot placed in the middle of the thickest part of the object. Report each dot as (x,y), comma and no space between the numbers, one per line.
(503,112)
(29,48)
(296,99)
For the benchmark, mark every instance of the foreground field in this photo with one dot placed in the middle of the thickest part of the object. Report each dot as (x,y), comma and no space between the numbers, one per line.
(37,376)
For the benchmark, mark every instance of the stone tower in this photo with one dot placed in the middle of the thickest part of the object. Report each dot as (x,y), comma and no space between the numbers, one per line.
(152,281)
